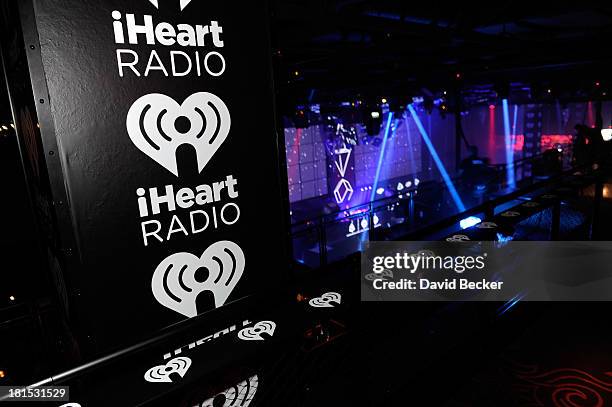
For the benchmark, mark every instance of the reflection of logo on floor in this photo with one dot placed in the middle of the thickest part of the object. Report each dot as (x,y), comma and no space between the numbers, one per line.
(378,276)
(161,373)
(239,395)
(530,204)
(181,277)
(327,300)
(486,225)
(254,333)
(510,214)
(457,238)
(157,125)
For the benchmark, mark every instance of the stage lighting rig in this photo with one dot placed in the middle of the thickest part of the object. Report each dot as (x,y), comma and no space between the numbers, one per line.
(349,113)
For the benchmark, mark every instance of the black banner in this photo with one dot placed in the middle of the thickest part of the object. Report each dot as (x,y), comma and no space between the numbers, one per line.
(157,122)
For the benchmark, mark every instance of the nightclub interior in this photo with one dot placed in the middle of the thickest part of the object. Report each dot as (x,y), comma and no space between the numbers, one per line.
(148,144)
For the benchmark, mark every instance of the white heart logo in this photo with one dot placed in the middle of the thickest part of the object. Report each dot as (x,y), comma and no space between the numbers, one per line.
(161,373)
(378,276)
(254,333)
(152,126)
(457,238)
(241,394)
(486,225)
(530,204)
(326,300)
(183,3)
(176,285)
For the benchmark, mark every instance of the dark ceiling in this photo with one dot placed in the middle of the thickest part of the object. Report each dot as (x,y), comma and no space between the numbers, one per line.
(343,47)
(338,49)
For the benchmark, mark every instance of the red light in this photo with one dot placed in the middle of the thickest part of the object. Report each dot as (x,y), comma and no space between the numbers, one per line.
(492,107)
(519,142)
(597,83)
(458,75)
(549,141)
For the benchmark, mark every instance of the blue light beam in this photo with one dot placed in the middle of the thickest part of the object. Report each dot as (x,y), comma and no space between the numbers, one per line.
(436,158)
(381,156)
(510,303)
(509,147)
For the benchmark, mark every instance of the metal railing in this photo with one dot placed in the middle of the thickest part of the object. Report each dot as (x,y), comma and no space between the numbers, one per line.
(314,233)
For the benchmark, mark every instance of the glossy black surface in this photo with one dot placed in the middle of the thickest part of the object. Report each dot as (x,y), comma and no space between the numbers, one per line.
(95,170)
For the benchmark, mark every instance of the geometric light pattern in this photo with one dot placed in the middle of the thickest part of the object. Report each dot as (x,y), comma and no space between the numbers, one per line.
(343,191)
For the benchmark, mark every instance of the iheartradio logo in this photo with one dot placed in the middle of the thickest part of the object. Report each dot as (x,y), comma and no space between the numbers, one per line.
(487,225)
(530,204)
(181,277)
(161,373)
(158,125)
(327,300)
(255,332)
(239,395)
(378,276)
(183,3)
(457,238)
